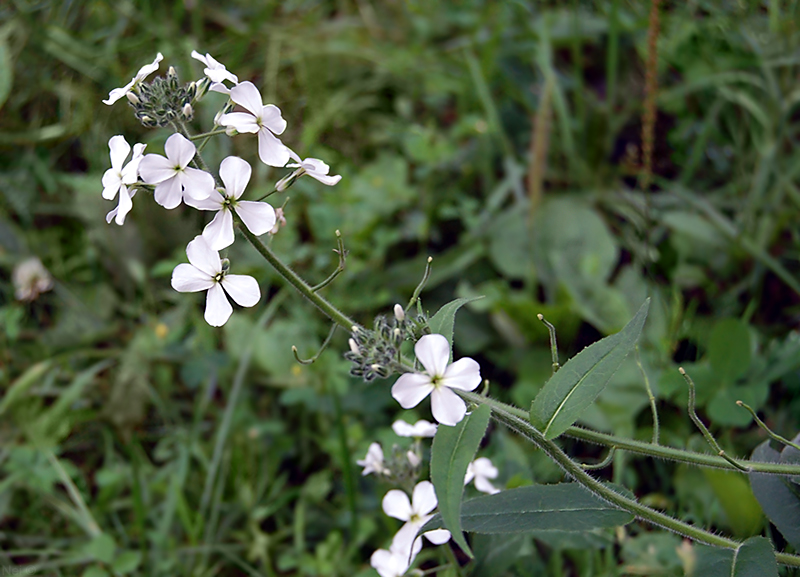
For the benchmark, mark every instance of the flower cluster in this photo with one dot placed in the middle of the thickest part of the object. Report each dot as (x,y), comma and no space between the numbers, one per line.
(181,177)
(418,510)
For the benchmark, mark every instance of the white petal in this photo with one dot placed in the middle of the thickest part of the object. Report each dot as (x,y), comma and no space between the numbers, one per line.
(403,429)
(272,119)
(118,151)
(464,374)
(188,279)
(315,165)
(406,544)
(235,173)
(148,69)
(396,504)
(271,151)
(169,193)
(111,183)
(438,536)
(179,150)
(242,288)
(203,257)
(110,216)
(324,179)
(241,121)
(213,201)
(447,407)
(154,168)
(248,96)
(196,183)
(258,217)
(221,88)
(197,56)
(118,93)
(218,309)
(124,207)
(424,498)
(483,485)
(219,232)
(483,467)
(433,351)
(411,388)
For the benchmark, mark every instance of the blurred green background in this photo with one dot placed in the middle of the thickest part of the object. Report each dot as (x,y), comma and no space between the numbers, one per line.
(501,138)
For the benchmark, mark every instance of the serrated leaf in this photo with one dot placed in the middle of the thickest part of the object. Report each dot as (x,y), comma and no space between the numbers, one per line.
(561,507)
(442,322)
(453,449)
(754,558)
(780,503)
(578,383)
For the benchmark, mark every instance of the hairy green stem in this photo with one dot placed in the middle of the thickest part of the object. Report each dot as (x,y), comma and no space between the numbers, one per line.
(574,470)
(649,449)
(295,280)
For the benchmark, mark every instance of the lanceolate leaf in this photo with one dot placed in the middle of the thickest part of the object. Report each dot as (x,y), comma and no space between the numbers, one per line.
(576,385)
(754,558)
(779,496)
(562,507)
(442,322)
(453,449)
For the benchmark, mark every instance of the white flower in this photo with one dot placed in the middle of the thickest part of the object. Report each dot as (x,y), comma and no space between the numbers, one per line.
(481,470)
(266,121)
(205,272)
(391,563)
(216,72)
(421,428)
(258,217)
(30,278)
(143,73)
(415,512)
(173,177)
(118,178)
(313,167)
(373,461)
(433,351)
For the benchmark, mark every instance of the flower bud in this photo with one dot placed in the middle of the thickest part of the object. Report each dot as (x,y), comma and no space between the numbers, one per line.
(399,313)
(217,116)
(187,111)
(286,181)
(413,458)
(231,131)
(132,98)
(353,346)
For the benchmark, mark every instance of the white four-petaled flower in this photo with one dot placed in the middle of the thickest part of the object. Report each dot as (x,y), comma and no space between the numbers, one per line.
(433,351)
(120,176)
(421,428)
(373,461)
(205,272)
(258,217)
(173,177)
(143,73)
(481,470)
(313,167)
(266,121)
(216,72)
(415,512)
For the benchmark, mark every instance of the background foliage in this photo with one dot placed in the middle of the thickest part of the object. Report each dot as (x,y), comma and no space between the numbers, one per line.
(502,138)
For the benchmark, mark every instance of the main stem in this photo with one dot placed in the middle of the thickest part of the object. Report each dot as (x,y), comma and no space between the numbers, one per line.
(574,470)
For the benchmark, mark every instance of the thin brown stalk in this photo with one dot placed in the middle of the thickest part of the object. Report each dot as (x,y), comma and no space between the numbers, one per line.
(540,144)
(651,92)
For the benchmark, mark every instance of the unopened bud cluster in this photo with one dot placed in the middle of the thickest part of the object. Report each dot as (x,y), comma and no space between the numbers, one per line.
(402,466)
(163,101)
(375,353)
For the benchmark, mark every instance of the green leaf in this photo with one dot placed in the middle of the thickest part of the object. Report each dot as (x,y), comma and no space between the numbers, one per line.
(777,495)
(101,548)
(576,385)
(729,349)
(741,507)
(442,322)
(20,387)
(754,558)
(561,507)
(126,562)
(453,449)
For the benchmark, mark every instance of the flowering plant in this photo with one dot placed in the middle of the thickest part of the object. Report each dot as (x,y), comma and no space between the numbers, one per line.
(183,176)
